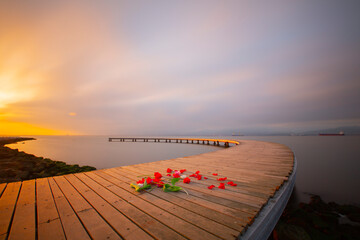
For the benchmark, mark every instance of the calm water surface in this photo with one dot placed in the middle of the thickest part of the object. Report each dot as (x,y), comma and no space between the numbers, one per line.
(328,166)
(97,151)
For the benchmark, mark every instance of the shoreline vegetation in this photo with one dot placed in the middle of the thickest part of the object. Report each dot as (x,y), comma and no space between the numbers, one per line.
(16,165)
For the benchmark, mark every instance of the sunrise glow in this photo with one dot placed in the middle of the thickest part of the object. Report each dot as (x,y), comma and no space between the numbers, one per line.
(20,129)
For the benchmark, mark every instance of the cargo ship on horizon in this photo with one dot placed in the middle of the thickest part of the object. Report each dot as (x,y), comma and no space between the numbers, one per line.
(332,134)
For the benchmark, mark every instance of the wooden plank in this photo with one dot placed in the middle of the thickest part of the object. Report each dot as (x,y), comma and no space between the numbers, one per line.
(206,224)
(176,223)
(24,223)
(245,162)
(2,188)
(72,226)
(126,228)
(92,221)
(7,207)
(255,169)
(148,223)
(49,224)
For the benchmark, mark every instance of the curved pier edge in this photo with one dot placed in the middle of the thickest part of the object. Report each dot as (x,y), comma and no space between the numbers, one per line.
(268,217)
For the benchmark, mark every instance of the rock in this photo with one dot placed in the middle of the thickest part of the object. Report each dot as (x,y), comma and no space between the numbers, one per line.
(317,220)
(291,232)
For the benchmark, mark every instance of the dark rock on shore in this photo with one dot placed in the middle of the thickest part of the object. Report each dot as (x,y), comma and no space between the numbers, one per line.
(20,166)
(318,220)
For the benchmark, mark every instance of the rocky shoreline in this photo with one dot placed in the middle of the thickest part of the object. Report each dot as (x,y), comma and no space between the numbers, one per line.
(318,220)
(16,165)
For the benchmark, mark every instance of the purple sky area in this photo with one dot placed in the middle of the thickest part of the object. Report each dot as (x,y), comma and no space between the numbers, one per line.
(179,67)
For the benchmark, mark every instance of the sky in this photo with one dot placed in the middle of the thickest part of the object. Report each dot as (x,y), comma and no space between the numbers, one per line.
(178,67)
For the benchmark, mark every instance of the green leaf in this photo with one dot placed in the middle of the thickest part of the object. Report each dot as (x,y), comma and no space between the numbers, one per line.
(144,187)
(166,187)
(174,180)
(170,188)
(145,183)
(175,188)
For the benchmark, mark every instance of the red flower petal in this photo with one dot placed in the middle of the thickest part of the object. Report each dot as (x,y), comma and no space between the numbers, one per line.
(141,181)
(168,170)
(197,172)
(205,178)
(193,175)
(231,183)
(169,175)
(148,180)
(215,174)
(199,177)
(187,180)
(222,179)
(182,170)
(157,175)
(211,187)
(221,186)
(176,175)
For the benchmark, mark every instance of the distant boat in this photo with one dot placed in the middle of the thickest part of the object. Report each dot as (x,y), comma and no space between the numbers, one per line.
(332,134)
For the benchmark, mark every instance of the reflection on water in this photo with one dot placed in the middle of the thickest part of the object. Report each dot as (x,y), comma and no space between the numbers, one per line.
(327,166)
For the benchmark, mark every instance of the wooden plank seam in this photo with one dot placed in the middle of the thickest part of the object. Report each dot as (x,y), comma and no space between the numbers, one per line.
(76,214)
(13,213)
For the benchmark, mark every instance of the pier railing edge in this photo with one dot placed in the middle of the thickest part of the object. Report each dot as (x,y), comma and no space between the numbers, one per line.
(270,214)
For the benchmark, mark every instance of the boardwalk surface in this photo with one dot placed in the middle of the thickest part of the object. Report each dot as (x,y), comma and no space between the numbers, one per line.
(102,205)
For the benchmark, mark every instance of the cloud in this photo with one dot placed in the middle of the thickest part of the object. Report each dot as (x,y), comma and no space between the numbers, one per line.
(171,68)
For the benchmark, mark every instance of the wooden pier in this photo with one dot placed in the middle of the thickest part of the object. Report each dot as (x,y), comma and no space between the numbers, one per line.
(102,205)
(215,142)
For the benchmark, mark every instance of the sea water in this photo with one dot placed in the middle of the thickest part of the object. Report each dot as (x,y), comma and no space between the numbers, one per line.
(328,166)
(98,152)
